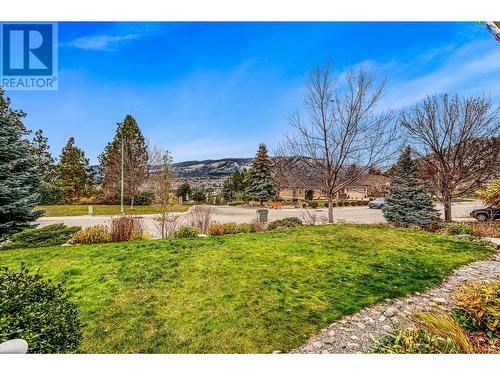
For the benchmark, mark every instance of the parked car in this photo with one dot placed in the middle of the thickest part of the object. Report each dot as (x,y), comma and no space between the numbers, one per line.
(377,203)
(486,213)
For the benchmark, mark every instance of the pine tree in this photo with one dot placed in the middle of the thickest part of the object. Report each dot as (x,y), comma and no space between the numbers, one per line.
(260,183)
(184,191)
(408,202)
(19,182)
(43,158)
(234,187)
(72,174)
(135,160)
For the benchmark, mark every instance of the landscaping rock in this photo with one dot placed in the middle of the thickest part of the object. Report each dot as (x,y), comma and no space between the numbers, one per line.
(439,300)
(372,323)
(390,312)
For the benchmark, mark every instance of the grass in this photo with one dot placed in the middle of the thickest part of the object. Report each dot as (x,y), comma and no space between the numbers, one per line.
(78,209)
(245,293)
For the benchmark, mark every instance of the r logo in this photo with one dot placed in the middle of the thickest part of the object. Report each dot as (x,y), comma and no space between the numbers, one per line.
(28,56)
(27,49)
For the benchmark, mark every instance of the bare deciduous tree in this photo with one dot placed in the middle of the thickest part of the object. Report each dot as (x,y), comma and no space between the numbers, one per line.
(457,140)
(200,217)
(167,223)
(309,216)
(342,129)
(161,175)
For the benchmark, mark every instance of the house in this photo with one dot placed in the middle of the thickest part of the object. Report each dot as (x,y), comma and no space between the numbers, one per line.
(366,187)
(354,192)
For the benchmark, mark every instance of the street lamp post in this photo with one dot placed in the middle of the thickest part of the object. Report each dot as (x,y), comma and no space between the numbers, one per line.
(122,211)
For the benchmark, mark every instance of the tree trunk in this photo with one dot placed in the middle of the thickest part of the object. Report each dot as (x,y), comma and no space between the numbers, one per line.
(447,209)
(132,203)
(330,209)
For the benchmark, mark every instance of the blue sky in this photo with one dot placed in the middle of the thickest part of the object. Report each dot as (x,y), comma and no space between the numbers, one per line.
(214,90)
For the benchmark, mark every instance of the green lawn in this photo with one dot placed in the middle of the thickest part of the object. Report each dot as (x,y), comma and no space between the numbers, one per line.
(246,293)
(78,209)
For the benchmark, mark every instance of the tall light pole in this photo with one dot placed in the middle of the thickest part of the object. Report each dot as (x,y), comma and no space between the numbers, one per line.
(122,211)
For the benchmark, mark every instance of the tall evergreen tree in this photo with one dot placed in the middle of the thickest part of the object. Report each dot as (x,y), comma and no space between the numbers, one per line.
(135,160)
(183,191)
(41,153)
(260,183)
(19,182)
(408,202)
(234,187)
(72,174)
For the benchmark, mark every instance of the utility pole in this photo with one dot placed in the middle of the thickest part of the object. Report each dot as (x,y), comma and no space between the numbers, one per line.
(122,211)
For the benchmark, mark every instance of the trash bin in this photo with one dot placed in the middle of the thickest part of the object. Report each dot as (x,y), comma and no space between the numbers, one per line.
(262,216)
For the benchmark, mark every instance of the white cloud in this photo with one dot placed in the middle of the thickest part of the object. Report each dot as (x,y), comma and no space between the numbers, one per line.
(471,69)
(101,42)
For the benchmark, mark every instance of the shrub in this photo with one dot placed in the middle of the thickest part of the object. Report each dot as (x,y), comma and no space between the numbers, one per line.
(235,203)
(50,194)
(325,205)
(87,200)
(457,228)
(444,325)
(431,332)
(139,235)
(94,234)
(122,227)
(485,229)
(230,228)
(51,235)
(199,197)
(415,341)
(39,312)
(200,217)
(244,228)
(478,306)
(215,229)
(257,226)
(186,231)
(167,224)
(304,205)
(146,198)
(313,204)
(289,222)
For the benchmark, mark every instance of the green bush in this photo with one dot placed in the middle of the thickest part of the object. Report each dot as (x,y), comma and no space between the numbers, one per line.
(216,229)
(457,228)
(146,198)
(94,234)
(39,312)
(313,204)
(235,203)
(50,194)
(289,222)
(230,228)
(325,205)
(244,228)
(415,341)
(51,235)
(199,197)
(477,306)
(186,231)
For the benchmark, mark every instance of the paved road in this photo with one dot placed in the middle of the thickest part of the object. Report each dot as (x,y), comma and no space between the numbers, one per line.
(223,214)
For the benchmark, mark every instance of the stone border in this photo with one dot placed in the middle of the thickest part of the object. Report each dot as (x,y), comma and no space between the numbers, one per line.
(357,333)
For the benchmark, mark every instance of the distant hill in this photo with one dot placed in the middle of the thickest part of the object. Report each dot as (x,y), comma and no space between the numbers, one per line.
(220,167)
(199,168)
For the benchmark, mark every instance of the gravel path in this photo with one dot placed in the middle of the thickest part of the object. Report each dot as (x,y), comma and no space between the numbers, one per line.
(356,333)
